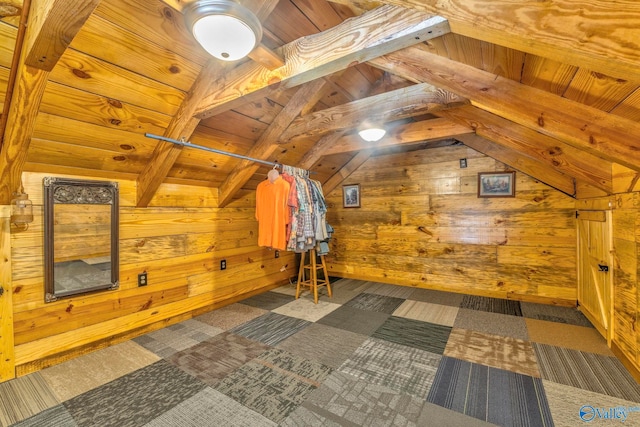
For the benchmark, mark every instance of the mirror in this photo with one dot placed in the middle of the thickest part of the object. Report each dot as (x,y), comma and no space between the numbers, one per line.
(80,236)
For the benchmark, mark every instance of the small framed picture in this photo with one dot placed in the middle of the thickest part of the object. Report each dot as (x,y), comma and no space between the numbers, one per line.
(351,196)
(463,163)
(496,184)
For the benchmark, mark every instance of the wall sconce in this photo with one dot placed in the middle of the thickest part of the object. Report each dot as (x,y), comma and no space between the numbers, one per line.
(372,134)
(21,210)
(225,29)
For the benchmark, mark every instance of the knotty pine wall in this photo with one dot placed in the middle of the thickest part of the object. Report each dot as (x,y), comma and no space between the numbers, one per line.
(421,224)
(179,241)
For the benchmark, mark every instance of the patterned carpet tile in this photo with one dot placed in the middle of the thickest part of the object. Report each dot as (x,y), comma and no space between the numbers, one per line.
(164,342)
(210,408)
(492,305)
(552,313)
(57,416)
(306,309)
(490,394)
(23,397)
(404,369)
(212,360)
(402,292)
(588,371)
(373,302)
(230,316)
(492,323)
(506,353)
(94,369)
(572,406)
(134,399)
(268,300)
(436,297)
(325,344)
(354,320)
(569,336)
(274,384)
(414,333)
(270,328)
(289,289)
(427,312)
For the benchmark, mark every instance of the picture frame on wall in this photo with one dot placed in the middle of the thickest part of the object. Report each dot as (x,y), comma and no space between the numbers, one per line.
(496,184)
(351,196)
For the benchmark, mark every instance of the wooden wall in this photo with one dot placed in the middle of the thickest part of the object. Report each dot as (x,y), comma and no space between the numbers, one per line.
(422,224)
(179,241)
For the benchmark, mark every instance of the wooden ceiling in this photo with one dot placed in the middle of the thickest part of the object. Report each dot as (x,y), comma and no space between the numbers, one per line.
(549,88)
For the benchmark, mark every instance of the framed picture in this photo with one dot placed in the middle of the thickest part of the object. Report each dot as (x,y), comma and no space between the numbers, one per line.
(351,196)
(496,184)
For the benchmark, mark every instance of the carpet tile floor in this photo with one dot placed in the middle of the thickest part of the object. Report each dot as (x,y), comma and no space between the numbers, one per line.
(373,355)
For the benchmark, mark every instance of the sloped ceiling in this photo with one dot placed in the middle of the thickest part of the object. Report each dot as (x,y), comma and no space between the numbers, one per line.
(549,88)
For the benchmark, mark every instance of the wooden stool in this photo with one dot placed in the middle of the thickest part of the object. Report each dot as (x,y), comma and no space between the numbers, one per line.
(312,282)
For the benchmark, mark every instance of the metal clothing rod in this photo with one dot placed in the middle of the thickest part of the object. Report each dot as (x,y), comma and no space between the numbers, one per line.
(213,150)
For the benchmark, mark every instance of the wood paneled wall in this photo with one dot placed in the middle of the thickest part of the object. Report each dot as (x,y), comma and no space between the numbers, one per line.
(422,224)
(179,241)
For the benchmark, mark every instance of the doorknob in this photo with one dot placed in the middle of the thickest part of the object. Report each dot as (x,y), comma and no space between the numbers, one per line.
(604,268)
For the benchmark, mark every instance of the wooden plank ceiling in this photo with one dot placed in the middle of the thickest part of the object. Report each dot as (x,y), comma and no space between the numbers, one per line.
(550,88)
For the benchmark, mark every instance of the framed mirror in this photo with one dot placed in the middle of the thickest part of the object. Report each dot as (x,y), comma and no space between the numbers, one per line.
(80,236)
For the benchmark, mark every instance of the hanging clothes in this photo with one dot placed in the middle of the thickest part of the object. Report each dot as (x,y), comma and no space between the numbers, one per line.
(273,213)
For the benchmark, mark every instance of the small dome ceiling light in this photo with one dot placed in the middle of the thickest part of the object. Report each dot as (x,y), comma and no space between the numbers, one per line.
(225,29)
(372,134)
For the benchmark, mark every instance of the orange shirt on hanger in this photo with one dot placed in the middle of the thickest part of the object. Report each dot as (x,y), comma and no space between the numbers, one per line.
(272,213)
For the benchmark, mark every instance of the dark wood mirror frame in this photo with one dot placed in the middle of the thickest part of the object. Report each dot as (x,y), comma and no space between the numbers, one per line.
(86,230)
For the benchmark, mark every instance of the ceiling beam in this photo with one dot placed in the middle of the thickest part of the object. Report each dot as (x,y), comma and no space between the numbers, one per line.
(556,154)
(346,171)
(353,41)
(598,35)
(410,101)
(605,135)
(266,144)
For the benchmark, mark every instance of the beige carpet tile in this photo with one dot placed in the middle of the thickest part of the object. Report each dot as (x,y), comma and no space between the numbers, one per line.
(24,397)
(504,325)
(289,289)
(304,308)
(569,336)
(427,312)
(390,290)
(95,369)
(506,353)
(571,406)
(230,316)
(436,297)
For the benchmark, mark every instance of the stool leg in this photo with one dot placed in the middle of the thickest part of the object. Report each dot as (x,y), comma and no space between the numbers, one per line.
(326,276)
(300,274)
(314,275)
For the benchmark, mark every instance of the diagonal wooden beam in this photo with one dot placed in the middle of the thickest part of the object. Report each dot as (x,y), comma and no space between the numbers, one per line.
(355,40)
(346,171)
(397,104)
(53,26)
(266,144)
(555,154)
(605,135)
(595,35)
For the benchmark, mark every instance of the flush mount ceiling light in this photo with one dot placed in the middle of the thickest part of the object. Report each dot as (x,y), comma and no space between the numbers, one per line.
(227,30)
(372,134)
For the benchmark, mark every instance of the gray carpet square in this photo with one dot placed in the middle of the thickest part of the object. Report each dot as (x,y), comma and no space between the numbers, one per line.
(436,297)
(212,360)
(490,394)
(354,320)
(57,416)
(414,333)
(164,342)
(210,408)
(588,371)
(135,399)
(492,323)
(396,291)
(404,369)
(268,300)
(492,305)
(275,383)
(230,316)
(270,328)
(25,396)
(325,344)
(552,313)
(373,302)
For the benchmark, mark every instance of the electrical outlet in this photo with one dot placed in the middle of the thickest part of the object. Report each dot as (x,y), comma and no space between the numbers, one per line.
(142,279)
(223,264)
(277,254)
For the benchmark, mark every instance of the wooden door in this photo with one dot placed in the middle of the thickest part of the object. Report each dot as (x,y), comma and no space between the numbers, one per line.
(7,359)
(595,283)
